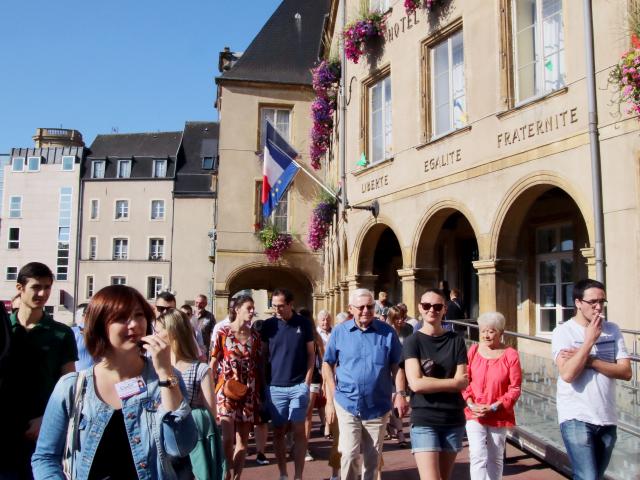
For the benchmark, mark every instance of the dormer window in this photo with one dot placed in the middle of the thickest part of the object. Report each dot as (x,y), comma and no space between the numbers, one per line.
(159,168)
(17,164)
(209,163)
(97,169)
(124,168)
(33,164)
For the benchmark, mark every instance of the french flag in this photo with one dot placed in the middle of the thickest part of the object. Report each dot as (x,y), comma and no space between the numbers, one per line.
(278,170)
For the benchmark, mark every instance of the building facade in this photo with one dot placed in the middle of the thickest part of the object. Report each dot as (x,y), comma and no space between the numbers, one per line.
(473,119)
(40,214)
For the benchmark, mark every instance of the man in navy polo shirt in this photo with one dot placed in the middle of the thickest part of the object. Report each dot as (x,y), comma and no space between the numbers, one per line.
(288,346)
(362,355)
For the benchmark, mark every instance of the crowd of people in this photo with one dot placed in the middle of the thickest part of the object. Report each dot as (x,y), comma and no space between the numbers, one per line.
(135,390)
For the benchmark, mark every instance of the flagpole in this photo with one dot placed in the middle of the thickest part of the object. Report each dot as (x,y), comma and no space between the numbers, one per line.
(322,185)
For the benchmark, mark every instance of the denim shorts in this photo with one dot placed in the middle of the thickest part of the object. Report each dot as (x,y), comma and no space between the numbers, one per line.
(288,404)
(436,439)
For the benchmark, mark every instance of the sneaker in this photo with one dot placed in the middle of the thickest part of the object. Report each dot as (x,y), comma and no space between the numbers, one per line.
(261,459)
(284,477)
(308,457)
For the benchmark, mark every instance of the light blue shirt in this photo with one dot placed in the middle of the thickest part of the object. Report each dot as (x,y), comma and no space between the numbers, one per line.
(363,360)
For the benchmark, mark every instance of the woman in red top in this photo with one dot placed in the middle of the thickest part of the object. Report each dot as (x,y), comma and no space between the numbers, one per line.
(494,387)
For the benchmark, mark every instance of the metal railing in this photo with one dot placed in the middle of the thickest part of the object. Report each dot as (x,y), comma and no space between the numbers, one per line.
(538,431)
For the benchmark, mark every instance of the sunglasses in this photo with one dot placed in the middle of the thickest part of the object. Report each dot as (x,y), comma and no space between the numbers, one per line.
(362,307)
(428,306)
(163,309)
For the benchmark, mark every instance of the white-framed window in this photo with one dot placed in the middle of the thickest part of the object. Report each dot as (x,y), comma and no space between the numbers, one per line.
(120,248)
(68,163)
(538,47)
(209,163)
(15,206)
(93,248)
(380,125)
(89,286)
(118,280)
(448,103)
(280,118)
(279,216)
(94,209)
(156,248)
(154,287)
(122,209)
(379,5)
(11,273)
(33,164)
(97,168)
(124,168)
(157,209)
(64,233)
(14,238)
(159,168)
(554,276)
(17,164)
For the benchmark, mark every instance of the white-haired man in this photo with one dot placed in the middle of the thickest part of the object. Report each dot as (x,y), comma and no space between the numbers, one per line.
(360,362)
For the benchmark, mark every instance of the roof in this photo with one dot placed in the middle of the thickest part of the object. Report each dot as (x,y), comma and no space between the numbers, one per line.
(127,145)
(287,46)
(199,141)
(50,155)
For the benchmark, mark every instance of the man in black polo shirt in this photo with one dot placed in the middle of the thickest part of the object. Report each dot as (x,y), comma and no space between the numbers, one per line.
(288,346)
(41,351)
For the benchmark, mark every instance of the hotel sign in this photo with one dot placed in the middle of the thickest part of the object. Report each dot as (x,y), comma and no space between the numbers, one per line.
(406,23)
(538,128)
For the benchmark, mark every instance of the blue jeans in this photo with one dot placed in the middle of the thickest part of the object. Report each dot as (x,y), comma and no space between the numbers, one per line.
(288,404)
(589,447)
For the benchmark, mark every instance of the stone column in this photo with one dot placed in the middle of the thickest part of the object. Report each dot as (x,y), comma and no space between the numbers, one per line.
(589,255)
(361,281)
(221,299)
(318,302)
(344,297)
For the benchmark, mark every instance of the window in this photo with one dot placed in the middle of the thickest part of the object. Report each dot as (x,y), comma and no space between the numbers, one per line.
(122,209)
(93,248)
(118,280)
(157,209)
(380,120)
(448,106)
(120,248)
(538,47)
(17,164)
(156,249)
(97,169)
(159,168)
(95,209)
(64,234)
(68,163)
(154,286)
(379,5)
(124,168)
(554,274)
(280,118)
(279,216)
(89,287)
(14,238)
(15,207)
(33,164)
(12,273)
(209,163)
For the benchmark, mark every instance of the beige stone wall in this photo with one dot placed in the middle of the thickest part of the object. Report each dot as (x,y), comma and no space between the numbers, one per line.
(484,176)
(38,225)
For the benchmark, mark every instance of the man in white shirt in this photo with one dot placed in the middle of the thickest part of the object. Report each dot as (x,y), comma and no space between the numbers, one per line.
(590,354)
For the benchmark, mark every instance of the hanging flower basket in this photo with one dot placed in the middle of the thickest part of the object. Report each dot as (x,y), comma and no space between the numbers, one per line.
(359,33)
(325,84)
(275,243)
(625,76)
(320,223)
(412,5)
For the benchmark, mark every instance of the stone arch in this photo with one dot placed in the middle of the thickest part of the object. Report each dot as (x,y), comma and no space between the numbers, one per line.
(367,240)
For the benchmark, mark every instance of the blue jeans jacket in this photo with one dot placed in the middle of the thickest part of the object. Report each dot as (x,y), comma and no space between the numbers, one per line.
(155,435)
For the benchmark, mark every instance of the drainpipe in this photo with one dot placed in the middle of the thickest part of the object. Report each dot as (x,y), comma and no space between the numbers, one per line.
(596,173)
(343,120)
(78,249)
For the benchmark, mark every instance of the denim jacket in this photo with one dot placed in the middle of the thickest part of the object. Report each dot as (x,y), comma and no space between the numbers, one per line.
(155,434)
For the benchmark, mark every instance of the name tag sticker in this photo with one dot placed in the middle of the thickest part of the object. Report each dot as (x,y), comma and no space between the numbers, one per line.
(131,387)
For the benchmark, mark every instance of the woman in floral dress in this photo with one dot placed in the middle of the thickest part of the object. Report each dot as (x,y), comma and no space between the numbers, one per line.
(237,351)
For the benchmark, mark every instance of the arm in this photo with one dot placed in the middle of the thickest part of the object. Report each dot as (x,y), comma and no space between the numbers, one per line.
(620,370)
(572,362)
(311,360)
(400,400)
(510,397)
(328,378)
(208,388)
(421,384)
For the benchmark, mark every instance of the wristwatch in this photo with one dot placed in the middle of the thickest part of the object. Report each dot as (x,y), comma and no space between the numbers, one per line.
(403,393)
(170,382)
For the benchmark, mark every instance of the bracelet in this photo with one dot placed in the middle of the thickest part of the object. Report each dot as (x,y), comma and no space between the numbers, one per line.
(402,393)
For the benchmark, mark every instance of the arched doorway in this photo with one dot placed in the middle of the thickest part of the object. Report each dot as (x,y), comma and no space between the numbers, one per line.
(379,260)
(445,253)
(543,247)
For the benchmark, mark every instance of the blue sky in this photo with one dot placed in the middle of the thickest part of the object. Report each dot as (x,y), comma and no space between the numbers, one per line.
(134,65)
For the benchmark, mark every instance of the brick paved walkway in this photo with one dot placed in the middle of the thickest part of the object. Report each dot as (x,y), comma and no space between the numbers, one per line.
(399,465)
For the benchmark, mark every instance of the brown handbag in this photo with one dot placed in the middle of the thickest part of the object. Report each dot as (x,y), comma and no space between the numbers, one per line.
(234,390)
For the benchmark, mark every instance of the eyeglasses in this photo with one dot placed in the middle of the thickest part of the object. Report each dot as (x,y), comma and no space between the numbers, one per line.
(163,309)
(602,303)
(361,308)
(428,306)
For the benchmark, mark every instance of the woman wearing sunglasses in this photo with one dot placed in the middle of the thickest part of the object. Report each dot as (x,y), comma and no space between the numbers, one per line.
(436,369)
